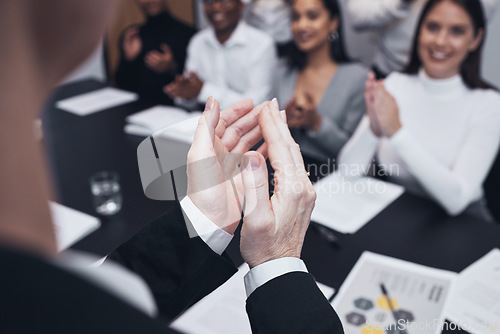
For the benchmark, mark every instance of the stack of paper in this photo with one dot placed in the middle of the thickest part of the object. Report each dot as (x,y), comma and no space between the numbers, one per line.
(346,204)
(223,311)
(71,225)
(474,305)
(95,101)
(181,132)
(149,121)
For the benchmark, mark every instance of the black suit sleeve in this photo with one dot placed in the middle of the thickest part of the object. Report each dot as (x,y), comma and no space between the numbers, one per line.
(291,303)
(178,269)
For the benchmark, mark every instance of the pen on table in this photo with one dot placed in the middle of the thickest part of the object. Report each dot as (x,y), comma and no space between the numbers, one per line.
(327,234)
(391,306)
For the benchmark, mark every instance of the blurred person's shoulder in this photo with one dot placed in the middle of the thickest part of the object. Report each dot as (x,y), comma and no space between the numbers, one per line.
(356,72)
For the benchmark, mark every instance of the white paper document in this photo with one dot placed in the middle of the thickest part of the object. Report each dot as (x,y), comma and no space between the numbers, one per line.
(346,204)
(417,294)
(474,304)
(182,131)
(96,100)
(223,311)
(71,225)
(146,122)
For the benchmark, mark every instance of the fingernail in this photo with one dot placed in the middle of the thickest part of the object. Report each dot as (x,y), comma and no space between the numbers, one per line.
(210,104)
(283,115)
(275,103)
(254,162)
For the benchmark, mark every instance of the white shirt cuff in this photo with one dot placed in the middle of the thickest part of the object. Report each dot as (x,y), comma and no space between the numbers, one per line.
(215,237)
(267,271)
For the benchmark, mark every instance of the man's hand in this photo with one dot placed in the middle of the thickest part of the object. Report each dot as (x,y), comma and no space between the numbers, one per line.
(132,44)
(214,180)
(187,87)
(161,62)
(275,228)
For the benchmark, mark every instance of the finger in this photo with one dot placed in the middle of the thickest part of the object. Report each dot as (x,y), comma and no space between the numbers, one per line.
(165,48)
(131,32)
(204,137)
(256,185)
(237,130)
(236,111)
(292,145)
(263,150)
(277,145)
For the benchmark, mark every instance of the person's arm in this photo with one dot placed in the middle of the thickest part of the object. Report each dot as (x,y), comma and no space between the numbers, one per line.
(260,78)
(272,235)
(369,14)
(358,153)
(332,136)
(454,187)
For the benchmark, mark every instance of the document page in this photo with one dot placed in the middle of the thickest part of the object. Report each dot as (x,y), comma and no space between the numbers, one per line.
(148,121)
(223,311)
(97,100)
(414,300)
(474,304)
(346,204)
(71,225)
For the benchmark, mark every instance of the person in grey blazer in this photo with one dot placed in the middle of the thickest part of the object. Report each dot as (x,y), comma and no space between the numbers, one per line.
(320,89)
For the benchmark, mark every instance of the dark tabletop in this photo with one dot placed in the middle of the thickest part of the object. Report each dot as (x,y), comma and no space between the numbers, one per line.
(412,228)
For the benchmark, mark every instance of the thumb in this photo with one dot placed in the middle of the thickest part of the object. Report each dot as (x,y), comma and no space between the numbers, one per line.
(204,137)
(256,184)
(165,48)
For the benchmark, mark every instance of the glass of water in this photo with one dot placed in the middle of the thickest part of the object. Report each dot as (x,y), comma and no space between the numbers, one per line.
(106,192)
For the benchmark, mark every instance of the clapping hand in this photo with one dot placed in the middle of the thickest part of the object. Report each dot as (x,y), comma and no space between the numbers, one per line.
(215,159)
(187,87)
(382,108)
(303,114)
(275,227)
(161,62)
(132,44)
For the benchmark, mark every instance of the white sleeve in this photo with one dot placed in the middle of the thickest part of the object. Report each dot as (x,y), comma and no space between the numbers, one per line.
(260,81)
(215,237)
(267,271)
(358,153)
(366,14)
(454,188)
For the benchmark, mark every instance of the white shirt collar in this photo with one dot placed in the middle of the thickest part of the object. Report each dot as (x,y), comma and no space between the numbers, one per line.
(444,88)
(238,37)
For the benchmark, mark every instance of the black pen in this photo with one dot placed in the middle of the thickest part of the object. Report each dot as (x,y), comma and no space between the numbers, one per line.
(391,306)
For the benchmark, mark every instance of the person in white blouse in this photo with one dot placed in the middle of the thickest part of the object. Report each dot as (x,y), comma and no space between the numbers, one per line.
(229,61)
(396,21)
(438,122)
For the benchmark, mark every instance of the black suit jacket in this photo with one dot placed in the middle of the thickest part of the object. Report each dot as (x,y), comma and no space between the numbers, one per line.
(38,297)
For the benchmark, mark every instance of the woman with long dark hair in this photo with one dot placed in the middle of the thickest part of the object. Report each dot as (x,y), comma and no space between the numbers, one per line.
(321,91)
(439,122)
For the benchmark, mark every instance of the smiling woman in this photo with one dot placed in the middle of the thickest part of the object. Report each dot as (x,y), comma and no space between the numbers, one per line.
(320,89)
(439,121)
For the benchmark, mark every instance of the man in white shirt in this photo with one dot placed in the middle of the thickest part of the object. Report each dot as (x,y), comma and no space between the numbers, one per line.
(229,61)
(396,20)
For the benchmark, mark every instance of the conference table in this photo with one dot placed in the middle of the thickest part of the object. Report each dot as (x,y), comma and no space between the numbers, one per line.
(411,228)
